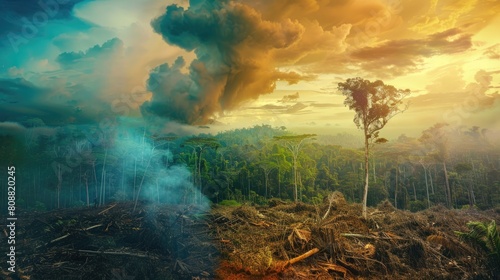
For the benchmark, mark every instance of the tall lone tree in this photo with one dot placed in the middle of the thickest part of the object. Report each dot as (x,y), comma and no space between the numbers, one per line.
(374,103)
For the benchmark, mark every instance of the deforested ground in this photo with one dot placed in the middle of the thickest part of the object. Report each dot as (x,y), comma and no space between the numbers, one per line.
(282,240)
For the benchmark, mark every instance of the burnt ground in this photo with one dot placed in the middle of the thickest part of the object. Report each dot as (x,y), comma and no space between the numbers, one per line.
(279,241)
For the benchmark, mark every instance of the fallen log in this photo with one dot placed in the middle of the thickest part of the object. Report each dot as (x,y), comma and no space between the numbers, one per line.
(89,228)
(59,238)
(303,256)
(281,265)
(107,209)
(140,255)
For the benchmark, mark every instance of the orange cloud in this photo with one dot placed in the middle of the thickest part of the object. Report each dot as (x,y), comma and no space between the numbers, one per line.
(401,56)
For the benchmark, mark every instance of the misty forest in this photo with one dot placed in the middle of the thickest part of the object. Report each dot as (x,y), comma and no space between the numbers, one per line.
(453,166)
(246,139)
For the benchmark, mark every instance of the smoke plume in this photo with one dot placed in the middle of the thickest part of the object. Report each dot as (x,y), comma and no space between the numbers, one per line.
(234,48)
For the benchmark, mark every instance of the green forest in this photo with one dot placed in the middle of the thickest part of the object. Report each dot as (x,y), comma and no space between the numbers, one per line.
(457,167)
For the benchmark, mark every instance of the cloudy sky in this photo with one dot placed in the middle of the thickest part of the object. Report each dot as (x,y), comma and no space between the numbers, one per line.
(227,64)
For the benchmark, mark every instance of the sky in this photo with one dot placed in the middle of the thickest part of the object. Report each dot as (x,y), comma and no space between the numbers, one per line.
(209,66)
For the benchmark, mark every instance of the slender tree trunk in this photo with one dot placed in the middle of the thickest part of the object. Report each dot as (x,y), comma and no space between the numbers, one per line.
(374,172)
(430,179)
(87,191)
(447,185)
(396,188)
(103,178)
(295,177)
(95,182)
(365,194)
(427,187)
(142,181)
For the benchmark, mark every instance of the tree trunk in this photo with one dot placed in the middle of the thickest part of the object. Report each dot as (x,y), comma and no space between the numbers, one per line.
(447,185)
(374,172)
(87,191)
(427,187)
(103,178)
(142,181)
(295,177)
(396,187)
(365,194)
(430,179)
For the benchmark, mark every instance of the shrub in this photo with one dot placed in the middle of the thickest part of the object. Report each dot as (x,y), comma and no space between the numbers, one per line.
(229,203)
(486,237)
(418,205)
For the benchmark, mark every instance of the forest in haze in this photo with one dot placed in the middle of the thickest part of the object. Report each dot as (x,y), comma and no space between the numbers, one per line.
(457,167)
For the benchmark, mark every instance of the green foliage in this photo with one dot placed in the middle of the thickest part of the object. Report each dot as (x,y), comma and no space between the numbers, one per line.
(485,236)
(467,207)
(373,102)
(418,205)
(231,202)
(40,206)
(77,203)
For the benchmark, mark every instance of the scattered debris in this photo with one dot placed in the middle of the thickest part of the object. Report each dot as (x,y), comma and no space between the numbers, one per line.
(285,241)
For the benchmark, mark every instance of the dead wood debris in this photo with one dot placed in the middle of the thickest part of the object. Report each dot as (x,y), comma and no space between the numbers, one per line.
(283,241)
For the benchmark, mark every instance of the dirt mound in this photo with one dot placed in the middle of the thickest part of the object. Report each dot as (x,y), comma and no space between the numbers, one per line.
(286,241)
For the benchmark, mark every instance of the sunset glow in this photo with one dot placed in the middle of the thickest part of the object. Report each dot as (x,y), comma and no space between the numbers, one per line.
(234,64)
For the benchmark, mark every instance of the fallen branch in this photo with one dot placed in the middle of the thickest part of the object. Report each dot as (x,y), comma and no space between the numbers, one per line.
(114,253)
(89,228)
(357,235)
(303,256)
(59,238)
(336,268)
(279,266)
(106,210)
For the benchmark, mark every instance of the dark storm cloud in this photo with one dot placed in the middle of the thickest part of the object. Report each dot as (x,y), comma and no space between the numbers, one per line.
(233,47)
(80,92)
(95,55)
(20,100)
(15,14)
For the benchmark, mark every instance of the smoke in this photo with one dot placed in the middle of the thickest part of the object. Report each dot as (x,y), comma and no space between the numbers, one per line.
(149,172)
(234,48)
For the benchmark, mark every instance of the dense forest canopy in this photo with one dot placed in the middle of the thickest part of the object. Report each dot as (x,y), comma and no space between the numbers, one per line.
(75,166)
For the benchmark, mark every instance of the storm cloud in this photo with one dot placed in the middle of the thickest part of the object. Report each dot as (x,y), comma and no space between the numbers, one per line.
(234,59)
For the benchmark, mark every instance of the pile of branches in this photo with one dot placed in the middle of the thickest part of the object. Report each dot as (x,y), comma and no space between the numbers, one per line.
(332,241)
(281,241)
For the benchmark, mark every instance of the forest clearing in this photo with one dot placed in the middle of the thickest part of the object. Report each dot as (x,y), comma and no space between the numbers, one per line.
(279,241)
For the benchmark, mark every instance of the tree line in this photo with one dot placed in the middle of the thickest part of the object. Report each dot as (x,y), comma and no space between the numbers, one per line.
(454,166)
